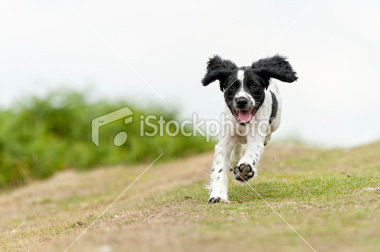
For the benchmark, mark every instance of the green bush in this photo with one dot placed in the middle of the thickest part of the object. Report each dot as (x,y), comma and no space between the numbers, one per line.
(41,136)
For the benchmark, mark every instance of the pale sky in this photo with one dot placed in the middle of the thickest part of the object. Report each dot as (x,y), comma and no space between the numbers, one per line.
(115,47)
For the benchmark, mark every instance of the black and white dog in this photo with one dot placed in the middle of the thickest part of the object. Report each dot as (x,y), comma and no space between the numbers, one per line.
(253,108)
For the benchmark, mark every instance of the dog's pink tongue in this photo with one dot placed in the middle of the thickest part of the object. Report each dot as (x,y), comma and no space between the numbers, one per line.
(244,115)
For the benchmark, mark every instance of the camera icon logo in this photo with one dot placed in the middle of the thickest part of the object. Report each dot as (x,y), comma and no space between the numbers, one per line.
(98,122)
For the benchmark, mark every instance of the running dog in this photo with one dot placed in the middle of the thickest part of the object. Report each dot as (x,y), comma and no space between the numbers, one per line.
(252,113)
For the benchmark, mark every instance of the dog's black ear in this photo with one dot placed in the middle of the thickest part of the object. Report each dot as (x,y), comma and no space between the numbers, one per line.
(275,67)
(218,69)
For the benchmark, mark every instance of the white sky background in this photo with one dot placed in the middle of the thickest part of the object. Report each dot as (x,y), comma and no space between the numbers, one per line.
(333,46)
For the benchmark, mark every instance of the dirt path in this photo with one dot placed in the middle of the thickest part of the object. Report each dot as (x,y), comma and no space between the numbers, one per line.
(71,196)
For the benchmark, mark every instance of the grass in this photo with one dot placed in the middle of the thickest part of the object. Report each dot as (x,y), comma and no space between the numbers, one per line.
(318,192)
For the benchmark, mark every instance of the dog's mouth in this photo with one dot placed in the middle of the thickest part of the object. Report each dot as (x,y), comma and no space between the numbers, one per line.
(243,116)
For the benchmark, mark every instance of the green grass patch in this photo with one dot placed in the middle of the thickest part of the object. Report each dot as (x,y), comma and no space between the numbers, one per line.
(41,136)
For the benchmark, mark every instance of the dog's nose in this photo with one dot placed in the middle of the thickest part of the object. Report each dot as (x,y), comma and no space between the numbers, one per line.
(241,102)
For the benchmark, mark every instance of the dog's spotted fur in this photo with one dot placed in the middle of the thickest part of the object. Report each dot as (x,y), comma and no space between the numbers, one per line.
(251,98)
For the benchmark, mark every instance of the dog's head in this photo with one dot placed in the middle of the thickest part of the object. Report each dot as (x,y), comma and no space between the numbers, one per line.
(244,87)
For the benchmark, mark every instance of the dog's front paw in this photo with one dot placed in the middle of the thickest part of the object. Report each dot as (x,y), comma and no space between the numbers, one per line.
(218,196)
(243,172)
(213,200)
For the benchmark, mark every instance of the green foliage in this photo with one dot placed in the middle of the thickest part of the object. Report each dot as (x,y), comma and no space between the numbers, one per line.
(44,135)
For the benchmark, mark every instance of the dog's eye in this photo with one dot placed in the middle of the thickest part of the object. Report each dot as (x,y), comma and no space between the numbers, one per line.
(233,86)
(254,86)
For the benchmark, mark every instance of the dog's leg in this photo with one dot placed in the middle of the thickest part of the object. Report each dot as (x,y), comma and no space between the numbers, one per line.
(246,169)
(219,179)
(236,155)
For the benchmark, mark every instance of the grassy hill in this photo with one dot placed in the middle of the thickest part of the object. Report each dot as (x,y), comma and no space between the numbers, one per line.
(318,192)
